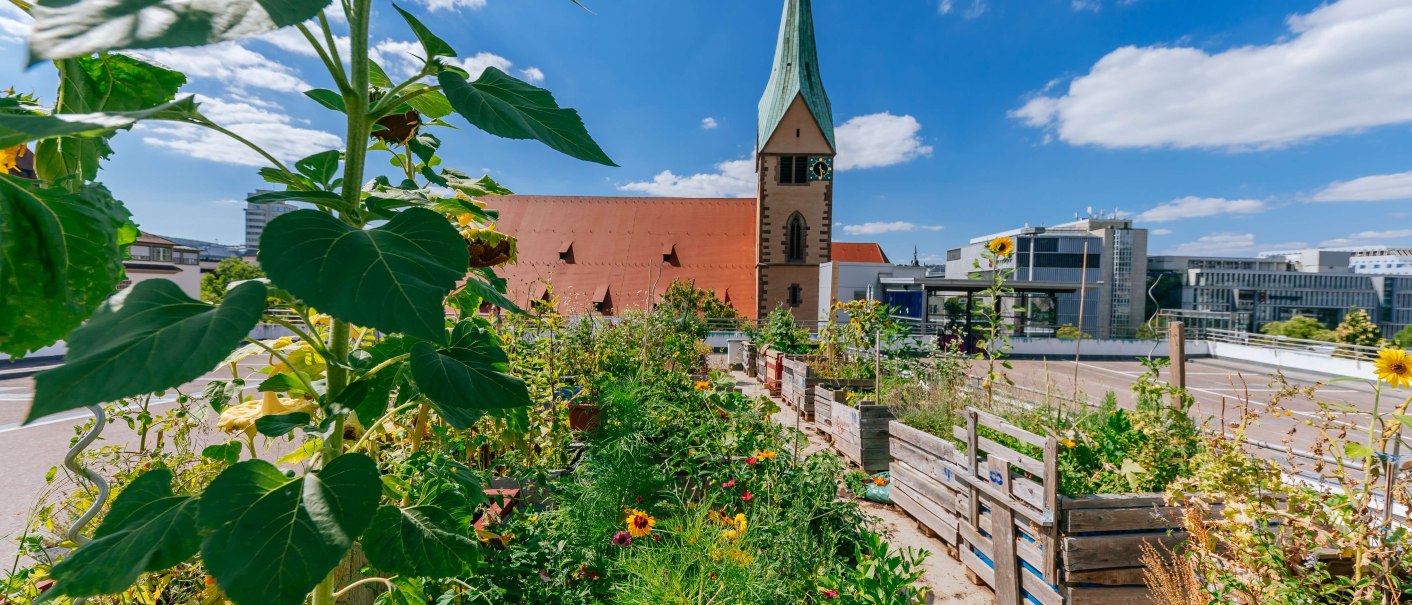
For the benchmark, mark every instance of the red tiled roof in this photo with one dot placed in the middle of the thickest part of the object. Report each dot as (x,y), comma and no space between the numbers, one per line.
(615,248)
(858,252)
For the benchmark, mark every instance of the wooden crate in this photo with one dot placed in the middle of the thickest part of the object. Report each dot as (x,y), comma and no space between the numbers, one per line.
(861,434)
(773,371)
(751,358)
(797,382)
(827,393)
(1000,508)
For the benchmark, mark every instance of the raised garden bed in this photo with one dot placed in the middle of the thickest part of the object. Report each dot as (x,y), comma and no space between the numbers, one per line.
(829,391)
(797,383)
(1001,512)
(860,433)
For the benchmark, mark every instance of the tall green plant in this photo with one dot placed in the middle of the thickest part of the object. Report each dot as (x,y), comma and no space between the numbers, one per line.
(372,253)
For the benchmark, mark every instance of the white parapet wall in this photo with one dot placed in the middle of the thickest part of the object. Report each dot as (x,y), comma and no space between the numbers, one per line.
(1114,348)
(1285,359)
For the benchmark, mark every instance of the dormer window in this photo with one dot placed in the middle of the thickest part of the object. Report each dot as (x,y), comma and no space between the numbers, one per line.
(566,252)
(669,254)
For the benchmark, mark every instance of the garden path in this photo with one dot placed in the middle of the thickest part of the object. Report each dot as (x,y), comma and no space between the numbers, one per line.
(945,575)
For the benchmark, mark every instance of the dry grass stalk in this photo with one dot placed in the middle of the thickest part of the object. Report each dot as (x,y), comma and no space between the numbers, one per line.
(1171,579)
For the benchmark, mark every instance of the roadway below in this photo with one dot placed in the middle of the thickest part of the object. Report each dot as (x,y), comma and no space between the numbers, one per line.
(1219,387)
(29,451)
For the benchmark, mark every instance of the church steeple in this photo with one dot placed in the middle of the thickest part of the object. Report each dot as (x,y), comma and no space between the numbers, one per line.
(795,74)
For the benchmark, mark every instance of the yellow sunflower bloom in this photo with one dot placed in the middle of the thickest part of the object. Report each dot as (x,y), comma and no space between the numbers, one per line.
(10,157)
(702,385)
(1001,246)
(1394,367)
(639,523)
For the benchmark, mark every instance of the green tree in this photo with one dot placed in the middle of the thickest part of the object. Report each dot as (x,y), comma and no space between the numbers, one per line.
(228,271)
(1068,331)
(1299,326)
(1403,338)
(1358,328)
(685,297)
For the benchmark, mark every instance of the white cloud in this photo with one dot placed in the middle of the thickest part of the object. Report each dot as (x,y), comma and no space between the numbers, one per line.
(870,141)
(1229,243)
(879,139)
(735,178)
(1374,188)
(1363,238)
(1193,207)
(1342,69)
(880,227)
(708,123)
(234,66)
(533,75)
(967,9)
(271,130)
(1160,232)
(481,60)
(437,5)
(1091,6)
(14,23)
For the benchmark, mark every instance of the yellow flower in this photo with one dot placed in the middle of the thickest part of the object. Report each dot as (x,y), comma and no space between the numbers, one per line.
(533,518)
(639,523)
(1067,442)
(1393,367)
(702,385)
(10,157)
(730,535)
(242,417)
(765,454)
(1001,246)
(879,481)
(740,523)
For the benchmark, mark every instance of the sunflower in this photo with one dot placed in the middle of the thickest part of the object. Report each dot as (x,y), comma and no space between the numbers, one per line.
(1001,246)
(639,523)
(10,157)
(702,385)
(1393,367)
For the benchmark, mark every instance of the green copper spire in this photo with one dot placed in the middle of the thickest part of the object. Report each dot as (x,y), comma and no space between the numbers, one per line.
(796,72)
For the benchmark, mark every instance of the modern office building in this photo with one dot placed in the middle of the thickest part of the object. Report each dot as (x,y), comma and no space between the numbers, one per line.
(259,215)
(1251,292)
(855,273)
(1382,261)
(1102,258)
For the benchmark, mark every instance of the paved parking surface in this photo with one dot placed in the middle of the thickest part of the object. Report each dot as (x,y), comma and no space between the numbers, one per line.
(28,452)
(1219,388)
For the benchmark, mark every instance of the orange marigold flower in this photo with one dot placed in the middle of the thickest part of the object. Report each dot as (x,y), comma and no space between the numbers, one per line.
(702,385)
(879,481)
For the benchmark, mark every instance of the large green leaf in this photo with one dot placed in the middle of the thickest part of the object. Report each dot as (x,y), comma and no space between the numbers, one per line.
(147,529)
(277,537)
(506,107)
(60,257)
(147,338)
(393,278)
(469,376)
(435,47)
(70,28)
(421,541)
(102,83)
(18,129)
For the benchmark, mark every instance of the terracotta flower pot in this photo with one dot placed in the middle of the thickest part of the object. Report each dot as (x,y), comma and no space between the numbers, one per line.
(584,416)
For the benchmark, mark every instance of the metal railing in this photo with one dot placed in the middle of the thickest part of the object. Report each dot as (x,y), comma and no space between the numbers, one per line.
(1285,343)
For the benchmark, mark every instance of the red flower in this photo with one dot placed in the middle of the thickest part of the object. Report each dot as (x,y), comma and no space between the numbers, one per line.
(639,498)
(728,484)
(830,593)
(751,461)
(746,497)
(656,537)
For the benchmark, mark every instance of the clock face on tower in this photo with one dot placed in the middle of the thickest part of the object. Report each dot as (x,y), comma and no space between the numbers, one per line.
(821,169)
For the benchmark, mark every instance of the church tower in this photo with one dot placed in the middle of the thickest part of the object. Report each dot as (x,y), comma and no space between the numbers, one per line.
(794,169)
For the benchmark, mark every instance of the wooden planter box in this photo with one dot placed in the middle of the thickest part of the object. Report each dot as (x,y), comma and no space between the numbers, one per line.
(861,434)
(774,369)
(827,392)
(1001,511)
(751,355)
(797,383)
(761,356)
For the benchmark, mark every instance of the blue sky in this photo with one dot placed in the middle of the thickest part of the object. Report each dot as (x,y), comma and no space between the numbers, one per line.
(1225,127)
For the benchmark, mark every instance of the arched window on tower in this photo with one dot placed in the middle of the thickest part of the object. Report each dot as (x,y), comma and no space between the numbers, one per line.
(794,239)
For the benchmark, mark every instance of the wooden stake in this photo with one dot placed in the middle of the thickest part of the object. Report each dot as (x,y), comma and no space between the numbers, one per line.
(1176,342)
